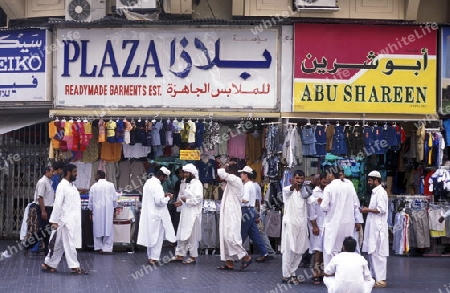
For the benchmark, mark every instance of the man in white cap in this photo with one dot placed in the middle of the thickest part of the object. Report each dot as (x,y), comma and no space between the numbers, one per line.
(189,229)
(231,248)
(249,228)
(155,223)
(376,231)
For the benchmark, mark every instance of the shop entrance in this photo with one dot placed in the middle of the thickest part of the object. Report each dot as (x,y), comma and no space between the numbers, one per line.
(23,155)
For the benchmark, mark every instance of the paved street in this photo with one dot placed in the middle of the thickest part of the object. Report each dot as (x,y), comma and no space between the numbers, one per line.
(127,272)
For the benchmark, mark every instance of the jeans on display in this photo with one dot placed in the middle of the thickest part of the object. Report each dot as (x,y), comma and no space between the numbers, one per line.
(308,141)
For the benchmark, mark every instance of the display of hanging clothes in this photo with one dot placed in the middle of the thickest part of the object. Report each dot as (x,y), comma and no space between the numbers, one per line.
(132,132)
(321,140)
(308,137)
(169,133)
(199,133)
(86,135)
(236,146)
(436,229)
(339,143)
(68,134)
(419,230)
(401,233)
(128,127)
(253,146)
(292,147)
(110,131)
(119,131)
(206,169)
(272,139)
(270,166)
(438,184)
(156,139)
(140,131)
(420,140)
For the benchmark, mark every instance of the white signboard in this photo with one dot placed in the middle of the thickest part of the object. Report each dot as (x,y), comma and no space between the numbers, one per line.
(23,65)
(187,68)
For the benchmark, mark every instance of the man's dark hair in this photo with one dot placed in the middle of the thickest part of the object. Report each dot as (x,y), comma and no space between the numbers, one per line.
(233,169)
(101,174)
(58,165)
(299,173)
(349,244)
(323,175)
(334,170)
(159,173)
(48,168)
(253,175)
(68,168)
(178,171)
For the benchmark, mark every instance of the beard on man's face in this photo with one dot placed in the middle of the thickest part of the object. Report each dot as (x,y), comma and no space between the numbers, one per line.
(189,178)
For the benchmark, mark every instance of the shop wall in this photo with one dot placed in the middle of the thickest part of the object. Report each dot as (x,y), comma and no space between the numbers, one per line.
(353,9)
(433,10)
(287,53)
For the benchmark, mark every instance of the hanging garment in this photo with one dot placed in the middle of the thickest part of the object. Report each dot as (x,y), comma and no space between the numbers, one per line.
(339,143)
(308,141)
(321,140)
(119,135)
(110,131)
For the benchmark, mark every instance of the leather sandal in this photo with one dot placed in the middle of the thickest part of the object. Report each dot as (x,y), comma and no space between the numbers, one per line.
(246,263)
(47,268)
(79,271)
(189,260)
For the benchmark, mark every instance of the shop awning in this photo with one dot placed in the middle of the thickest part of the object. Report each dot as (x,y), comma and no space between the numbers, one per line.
(178,113)
(360,117)
(19,120)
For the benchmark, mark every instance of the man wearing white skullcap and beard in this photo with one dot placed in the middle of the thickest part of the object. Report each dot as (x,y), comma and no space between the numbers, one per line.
(376,236)
(189,229)
(231,248)
(155,223)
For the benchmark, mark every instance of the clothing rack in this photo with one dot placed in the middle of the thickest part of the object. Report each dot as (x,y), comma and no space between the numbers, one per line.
(270,123)
(415,196)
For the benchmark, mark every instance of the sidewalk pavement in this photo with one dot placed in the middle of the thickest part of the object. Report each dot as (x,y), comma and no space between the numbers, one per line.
(129,272)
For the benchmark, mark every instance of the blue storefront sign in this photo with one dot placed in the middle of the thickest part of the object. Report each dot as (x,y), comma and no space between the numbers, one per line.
(24,60)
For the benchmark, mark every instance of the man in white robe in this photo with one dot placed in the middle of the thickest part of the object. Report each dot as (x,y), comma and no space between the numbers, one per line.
(316,218)
(155,223)
(339,202)
(66,224)
(294,231)
(102,201)
(358,233)
(348,271)
(231,248)
(189,228)
(376,237)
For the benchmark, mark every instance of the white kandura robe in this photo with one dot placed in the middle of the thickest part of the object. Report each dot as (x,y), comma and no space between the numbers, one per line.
(294,231)
(339,202)
(352,274)
(189,228)
(230,218)
(376,237)
(154,215)
(102,201)
(67,214)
